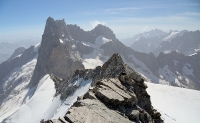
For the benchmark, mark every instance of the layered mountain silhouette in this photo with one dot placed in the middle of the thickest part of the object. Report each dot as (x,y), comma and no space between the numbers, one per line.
(67,53)
(157,41)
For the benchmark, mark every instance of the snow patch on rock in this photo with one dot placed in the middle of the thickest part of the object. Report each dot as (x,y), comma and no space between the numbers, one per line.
(170,36)
(61,41)
(101,40)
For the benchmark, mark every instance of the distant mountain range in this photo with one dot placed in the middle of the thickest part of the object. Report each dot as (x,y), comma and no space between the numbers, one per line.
(27,81)
(7,48)
(157,41)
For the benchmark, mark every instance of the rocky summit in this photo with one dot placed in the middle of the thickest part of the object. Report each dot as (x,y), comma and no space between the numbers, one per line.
(55,55)
(117,94)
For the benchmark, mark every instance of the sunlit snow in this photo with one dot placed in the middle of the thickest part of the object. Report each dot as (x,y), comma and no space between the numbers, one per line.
(61,41)
(177,105)
(36,107)
(19,79)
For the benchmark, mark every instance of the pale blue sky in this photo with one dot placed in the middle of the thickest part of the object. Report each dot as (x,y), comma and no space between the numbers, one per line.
(24,19)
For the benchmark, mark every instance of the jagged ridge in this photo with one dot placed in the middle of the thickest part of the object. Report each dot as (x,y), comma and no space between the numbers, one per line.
(118,95)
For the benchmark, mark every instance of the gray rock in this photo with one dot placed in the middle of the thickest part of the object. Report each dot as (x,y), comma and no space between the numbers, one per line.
(118,95)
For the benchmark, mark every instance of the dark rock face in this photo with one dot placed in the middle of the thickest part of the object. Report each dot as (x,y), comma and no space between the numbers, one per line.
(56,55)
(17,52)
(118,94)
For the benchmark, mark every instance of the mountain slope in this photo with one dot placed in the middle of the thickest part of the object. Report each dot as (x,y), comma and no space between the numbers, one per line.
(188,44)
(163,69)
(17,53)
(153,33)
(155,40)
(8,67)
(7,48)
(14,91)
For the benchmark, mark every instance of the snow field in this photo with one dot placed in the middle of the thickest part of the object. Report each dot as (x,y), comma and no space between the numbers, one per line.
(177,105)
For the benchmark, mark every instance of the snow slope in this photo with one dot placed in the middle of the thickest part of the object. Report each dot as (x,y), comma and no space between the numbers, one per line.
(177,105)
(44,105)
(66,104)
(35,108)
(18,80)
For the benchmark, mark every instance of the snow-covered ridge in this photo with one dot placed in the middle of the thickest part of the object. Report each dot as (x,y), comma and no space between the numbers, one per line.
(36,47)
(44,104)
(18,79)
(171,35)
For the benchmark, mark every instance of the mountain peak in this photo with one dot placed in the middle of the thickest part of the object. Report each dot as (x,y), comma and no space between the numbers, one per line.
(55,27)
(17,53)
(115,60)
(105,31)
(115,65)
(50,19)
(55,55)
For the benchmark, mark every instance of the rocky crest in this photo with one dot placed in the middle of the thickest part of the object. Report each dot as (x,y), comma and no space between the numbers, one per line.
(16,53)
(118,94)
(111,69)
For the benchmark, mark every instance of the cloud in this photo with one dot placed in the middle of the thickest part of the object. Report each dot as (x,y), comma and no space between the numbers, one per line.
(96,22)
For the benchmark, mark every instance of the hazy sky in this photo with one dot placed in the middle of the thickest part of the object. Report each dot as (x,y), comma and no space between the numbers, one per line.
(25,19)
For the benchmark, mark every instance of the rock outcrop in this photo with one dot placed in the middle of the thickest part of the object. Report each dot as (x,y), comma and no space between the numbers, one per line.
(117,94)
(111,69)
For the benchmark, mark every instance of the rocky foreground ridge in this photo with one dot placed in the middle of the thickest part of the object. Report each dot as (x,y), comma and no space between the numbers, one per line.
(117,94)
